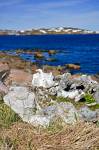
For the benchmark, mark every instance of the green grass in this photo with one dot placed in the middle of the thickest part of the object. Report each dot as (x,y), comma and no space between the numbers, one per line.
(89,99)
(7,116)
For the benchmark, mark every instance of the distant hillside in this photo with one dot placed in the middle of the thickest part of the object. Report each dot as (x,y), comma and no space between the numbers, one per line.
(42,31)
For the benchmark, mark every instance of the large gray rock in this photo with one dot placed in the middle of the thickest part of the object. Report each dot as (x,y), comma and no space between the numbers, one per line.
(87,114)
(21,101)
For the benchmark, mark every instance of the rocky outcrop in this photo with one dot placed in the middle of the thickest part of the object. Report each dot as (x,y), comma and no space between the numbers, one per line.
(35,104)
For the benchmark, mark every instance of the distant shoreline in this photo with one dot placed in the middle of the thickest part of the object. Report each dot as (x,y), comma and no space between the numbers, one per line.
(45,31)
(47,34)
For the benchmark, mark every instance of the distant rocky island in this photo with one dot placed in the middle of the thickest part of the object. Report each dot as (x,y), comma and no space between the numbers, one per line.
(44,31)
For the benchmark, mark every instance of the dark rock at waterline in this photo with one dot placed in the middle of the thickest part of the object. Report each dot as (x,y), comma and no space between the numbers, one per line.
(51,59)
(38,55)
(73,66)
(51,52)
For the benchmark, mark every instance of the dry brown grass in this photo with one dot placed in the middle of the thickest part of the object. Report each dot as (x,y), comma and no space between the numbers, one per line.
(21,136)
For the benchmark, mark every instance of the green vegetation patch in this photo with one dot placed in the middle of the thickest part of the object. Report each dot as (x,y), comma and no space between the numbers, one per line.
(7,116)
(89,99)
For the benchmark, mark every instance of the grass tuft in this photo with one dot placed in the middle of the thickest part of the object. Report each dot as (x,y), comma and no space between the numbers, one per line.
(7,116)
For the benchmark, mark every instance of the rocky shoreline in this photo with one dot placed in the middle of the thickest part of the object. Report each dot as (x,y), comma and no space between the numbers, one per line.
(43,96)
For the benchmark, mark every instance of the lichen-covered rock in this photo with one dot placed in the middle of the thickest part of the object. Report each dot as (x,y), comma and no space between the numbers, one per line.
(41,79)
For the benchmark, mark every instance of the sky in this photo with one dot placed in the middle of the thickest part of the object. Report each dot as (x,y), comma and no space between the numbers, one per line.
(27,14)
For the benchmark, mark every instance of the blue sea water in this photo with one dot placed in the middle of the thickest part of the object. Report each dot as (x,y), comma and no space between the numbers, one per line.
(83,49)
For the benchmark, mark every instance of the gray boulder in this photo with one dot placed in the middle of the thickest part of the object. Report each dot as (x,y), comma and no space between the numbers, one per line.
(87,114)
(21,101)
